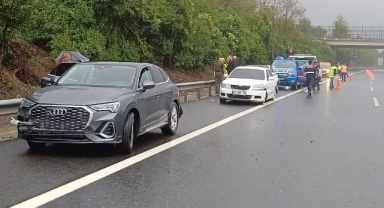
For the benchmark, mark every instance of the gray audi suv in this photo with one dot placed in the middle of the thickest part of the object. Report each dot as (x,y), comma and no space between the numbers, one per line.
(100,102)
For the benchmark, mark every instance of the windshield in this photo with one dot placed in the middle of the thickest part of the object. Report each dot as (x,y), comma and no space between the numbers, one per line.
(284,64)
(248,74)
(325,65)
(302,62)
(99,75)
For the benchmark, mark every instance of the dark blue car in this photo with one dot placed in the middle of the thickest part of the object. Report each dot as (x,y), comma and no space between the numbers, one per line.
(289,72)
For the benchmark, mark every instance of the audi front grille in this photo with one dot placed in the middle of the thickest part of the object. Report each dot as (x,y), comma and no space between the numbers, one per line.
(60,118)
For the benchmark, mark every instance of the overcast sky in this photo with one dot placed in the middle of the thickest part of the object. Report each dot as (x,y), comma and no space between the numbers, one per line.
(357,13)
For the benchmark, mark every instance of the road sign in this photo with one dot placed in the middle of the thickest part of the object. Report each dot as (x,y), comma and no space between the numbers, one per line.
(380,61)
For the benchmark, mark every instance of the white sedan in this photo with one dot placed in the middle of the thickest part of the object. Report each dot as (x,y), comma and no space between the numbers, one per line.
(248,83)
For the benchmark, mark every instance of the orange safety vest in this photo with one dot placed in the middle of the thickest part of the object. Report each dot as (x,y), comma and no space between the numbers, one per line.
(344,69)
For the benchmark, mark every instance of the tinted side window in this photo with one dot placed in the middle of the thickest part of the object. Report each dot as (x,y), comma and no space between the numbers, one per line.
(165,75)
(157,75)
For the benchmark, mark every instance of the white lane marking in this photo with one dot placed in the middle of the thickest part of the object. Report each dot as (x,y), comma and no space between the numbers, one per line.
(371,89)
(93,177)
(377,104)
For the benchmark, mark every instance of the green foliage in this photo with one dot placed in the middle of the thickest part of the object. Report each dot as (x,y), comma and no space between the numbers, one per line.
(14,14)
(340,27)
(174,33)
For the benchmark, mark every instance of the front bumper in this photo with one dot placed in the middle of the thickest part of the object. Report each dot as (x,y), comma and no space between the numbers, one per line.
(101,127)
(287,81)
(249,95)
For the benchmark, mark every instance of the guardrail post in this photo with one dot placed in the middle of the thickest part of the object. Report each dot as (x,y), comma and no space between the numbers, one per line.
(210,91)
(185,95)
(198,93)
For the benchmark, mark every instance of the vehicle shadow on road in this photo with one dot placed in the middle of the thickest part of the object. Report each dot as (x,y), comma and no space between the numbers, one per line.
(244,103)
(143,143)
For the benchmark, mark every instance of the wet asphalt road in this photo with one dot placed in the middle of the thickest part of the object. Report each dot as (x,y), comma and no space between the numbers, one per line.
(319,151)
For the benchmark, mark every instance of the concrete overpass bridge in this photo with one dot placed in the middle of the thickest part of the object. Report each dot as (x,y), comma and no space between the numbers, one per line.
(357,37)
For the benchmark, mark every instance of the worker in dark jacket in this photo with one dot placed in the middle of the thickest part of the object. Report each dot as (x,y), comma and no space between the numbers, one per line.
(232,64)
(317,76)
(310,72)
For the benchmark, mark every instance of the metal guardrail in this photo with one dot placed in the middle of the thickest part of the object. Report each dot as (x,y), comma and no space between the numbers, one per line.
(10,107)
(188,86)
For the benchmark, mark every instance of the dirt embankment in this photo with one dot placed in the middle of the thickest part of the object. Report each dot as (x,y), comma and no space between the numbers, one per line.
(28,63)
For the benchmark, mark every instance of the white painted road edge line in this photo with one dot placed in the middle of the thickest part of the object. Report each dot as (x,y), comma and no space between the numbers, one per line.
(93,177)
(376,102)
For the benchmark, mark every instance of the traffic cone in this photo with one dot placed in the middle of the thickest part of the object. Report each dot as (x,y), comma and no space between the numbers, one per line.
(351,78)
(338,84)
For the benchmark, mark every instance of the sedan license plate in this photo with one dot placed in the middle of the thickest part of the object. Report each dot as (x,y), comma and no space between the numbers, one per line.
(239,93)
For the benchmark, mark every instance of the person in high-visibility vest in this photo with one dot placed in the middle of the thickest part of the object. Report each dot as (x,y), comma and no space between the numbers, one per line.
(331,75)
(344,72)
(225,70)
(338,70)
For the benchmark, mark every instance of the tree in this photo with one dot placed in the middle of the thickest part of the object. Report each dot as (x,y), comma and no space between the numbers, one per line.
(340,27)
(13,14)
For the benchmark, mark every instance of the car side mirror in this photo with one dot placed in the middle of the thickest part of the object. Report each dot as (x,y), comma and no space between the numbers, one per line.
(148,85)
(53,80)
(301,68)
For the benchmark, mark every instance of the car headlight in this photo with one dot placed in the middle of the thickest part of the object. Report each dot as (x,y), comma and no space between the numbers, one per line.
(291,72)
(258,87)
(225,85)
(111,107)
(26,103)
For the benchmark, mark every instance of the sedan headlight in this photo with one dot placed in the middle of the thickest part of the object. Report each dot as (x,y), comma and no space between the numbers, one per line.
(26,103)
(225,85)
(258,87)
(291,72)
(111,107)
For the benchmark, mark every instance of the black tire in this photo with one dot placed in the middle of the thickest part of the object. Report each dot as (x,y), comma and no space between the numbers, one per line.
(265,99)
(301,85)
(173,121)
(36,146)
(128,137)
(223,101)
(294,87)
(277,89)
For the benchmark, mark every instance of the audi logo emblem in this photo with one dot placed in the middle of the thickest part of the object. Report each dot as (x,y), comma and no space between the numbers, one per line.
(58,112)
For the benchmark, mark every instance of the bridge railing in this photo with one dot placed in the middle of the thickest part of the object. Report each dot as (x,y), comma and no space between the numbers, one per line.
(355,33)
